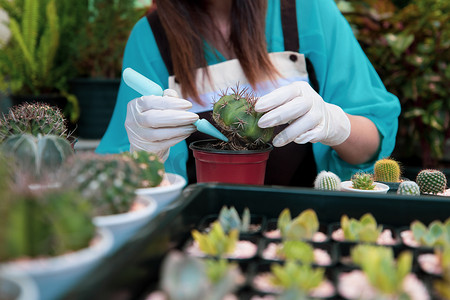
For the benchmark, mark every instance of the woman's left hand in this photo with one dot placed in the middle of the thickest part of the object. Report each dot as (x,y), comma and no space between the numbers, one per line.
(310,118)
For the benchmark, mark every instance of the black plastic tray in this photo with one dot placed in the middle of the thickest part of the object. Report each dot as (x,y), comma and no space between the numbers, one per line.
(133,270)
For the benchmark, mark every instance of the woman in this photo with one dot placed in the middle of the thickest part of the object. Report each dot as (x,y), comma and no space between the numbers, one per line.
(330,108)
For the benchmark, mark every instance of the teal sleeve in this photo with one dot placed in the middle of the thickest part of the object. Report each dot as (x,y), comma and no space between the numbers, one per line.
(346,78)
(142,54)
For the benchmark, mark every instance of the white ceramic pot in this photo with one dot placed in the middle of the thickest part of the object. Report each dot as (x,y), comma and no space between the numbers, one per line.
(166,193)
(19,287)
(380,188)
(55,276)
(123,226)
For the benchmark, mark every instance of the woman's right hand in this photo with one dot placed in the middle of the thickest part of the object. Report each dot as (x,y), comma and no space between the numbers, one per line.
(156,123)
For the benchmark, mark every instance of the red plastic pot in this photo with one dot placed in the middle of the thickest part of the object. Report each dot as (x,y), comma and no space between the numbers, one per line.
(229,166)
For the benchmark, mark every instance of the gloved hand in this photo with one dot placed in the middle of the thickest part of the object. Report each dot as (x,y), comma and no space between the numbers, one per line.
(156,123)
(310,118)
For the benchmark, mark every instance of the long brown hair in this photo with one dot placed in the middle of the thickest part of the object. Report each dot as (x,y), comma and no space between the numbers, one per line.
(186,23)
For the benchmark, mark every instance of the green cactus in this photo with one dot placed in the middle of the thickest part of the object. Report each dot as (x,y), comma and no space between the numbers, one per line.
(302,227)
(229,219)
(44,224)
(34,119)
(362,181)
(216,242)
(431,181)
(387,170)
(38,156)
(364,230)
(299,251)
(108,181)
(408,188)
(151,166)
(235,114)
(185,277)
(385,273)
(295,276)
(437,234)
(327,181)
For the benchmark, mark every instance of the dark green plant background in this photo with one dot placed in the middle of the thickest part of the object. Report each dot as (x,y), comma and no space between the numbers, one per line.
(408,42)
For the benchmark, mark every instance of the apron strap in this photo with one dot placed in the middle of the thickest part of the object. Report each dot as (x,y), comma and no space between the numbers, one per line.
(291,37)
(161,39)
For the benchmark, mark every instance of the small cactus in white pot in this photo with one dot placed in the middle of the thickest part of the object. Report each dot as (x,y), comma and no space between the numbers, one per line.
(326,180)
(408,188)
(431,181)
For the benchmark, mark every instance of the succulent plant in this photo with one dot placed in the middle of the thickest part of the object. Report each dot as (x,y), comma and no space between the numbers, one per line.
(362,181)
(302,227)
(387,170)
(408,188)
(385,273)
(108,181)
(151,166)
(216,242)
(295,276)
(185,277)
(34,119)
(327,181)
(437,234)
(235,114)
(229,219)
(299,251)
(44,224)
(38,156)
(364,230)
(431,181)
(442,286)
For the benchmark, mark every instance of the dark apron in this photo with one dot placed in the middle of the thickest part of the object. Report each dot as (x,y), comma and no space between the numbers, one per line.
(290,165)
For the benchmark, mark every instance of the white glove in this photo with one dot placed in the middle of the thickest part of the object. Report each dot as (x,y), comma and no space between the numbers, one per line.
(156,123)
(310,118)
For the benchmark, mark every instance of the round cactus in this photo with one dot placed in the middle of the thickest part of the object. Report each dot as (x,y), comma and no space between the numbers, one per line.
(327,181)
(387,170)
(151,166)
(37,155)
(362,181)
(408,188)
(108,181)
(235,114)
(44,224)
(431,181)
(34,119)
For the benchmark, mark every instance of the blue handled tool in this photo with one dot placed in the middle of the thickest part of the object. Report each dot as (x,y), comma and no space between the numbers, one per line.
(145,87)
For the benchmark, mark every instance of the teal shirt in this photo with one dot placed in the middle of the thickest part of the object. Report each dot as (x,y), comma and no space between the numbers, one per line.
(345,75)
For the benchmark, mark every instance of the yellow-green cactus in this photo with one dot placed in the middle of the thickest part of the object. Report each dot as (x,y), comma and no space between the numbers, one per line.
(387,170)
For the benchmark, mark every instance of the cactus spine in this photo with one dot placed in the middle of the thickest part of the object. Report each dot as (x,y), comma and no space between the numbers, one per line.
(408,188)
(327,181)
(108,181)
(236,116)
(431,181)
(45,224)
(34,119)
(38,156)
(151,167)
(363,181)
(387,170)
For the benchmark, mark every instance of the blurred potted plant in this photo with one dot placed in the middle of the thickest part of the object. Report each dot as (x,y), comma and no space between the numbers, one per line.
(99,62)
(48,235)
(34,62)
(410,49)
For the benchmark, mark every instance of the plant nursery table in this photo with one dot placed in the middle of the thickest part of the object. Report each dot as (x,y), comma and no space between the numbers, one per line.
(132,271)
